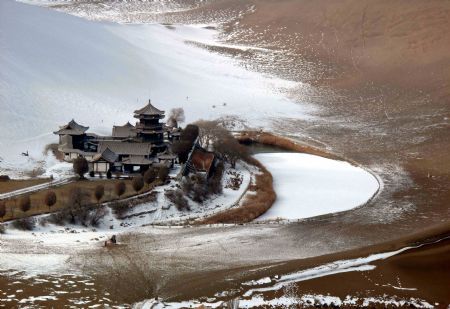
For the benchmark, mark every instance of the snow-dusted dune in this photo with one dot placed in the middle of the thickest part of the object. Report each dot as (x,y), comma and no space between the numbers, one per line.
(55,67)
(309,186)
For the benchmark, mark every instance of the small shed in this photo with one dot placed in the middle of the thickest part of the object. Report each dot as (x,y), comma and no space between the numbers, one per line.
(201,161)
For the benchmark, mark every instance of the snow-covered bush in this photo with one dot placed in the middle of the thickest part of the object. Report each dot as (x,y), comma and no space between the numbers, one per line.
(137,183)
(178,199)
(80,167)
(2,209)
(25,203)
(25,224)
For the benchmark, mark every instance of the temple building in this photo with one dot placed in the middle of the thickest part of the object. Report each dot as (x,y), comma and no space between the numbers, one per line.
(129,149)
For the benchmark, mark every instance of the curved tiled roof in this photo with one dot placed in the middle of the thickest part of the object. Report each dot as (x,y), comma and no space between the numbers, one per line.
(149,109)
(127,130)
(108,155)
(72,128)
(126,148)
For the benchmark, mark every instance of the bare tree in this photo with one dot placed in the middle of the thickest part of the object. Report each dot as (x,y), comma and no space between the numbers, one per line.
(178,199)
(230,150)
(77,205)
(80,167)
(176,116)
(2,210)
(99,192)
(224,144)
(210,132)
(50,199)
(182,149)
(120,188)
(137,183)
(150,175)
(163,173)
(25,203)
(190,133)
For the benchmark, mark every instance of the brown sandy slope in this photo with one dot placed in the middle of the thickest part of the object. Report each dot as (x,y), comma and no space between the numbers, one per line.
(380,72)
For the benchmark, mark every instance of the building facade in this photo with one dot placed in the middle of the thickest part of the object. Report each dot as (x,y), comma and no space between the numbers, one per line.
(129,149)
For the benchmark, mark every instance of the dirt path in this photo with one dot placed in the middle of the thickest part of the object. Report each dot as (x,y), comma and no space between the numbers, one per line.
(36,188)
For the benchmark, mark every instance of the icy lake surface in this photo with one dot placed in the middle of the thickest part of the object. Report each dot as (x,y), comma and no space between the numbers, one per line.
(308,185)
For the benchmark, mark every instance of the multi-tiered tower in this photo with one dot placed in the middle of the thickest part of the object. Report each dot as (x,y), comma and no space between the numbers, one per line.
(149,128)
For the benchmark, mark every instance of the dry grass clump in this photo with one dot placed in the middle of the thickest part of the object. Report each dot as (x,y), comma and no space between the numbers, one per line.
(254,205)
(265,138)
(121,207)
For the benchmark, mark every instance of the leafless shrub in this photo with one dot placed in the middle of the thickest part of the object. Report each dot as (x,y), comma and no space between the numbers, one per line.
(137,183)
(25,203)
(190,133)
(50,199)
(25,224)
(178,199)
(199,192)
(4,178)
(76,205)
(181,149)
(80,167)
(120,207)
(96,214)
(163,173)
(58,218)
(150,175)
(215,182)
(2,209)
(254,205)
(2,228)
(99,192)
(120,188)
(176,116)
(234,182)
(38,171)
(224,144)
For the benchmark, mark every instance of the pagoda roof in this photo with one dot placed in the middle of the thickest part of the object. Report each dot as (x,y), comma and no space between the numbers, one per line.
(108,155)
(126,148)
(72,128)
(127,130)
(149,110)
(136,160)
(166,155)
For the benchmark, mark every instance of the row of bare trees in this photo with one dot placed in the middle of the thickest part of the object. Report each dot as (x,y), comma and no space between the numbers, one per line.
(25,203)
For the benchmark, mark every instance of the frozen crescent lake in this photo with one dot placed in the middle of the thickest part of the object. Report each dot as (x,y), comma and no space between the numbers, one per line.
(308,185)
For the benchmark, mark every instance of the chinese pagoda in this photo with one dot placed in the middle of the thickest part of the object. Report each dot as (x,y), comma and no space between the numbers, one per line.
(149,128)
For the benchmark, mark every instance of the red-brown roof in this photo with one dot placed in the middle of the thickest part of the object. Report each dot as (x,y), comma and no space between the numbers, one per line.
(202,160)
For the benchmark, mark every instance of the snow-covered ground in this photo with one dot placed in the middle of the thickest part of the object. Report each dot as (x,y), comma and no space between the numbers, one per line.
(308,185)
(253,297)
(55,67)
(77,237)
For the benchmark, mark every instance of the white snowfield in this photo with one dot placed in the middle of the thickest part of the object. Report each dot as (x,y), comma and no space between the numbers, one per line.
(309,186)
(54,238)
(55,67)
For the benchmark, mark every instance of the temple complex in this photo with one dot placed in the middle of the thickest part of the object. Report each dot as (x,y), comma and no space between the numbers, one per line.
(129,149)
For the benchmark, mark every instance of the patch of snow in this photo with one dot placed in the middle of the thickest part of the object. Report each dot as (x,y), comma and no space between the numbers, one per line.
(265,280)
(56,67)
(308,185)
(308,300)
(359,264)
